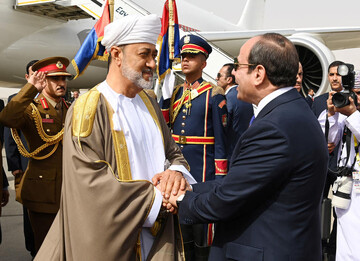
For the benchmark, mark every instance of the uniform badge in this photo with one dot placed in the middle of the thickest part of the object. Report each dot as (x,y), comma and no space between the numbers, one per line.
(187,39)
(222,104)
(47,120)
(224,120)
(59,65)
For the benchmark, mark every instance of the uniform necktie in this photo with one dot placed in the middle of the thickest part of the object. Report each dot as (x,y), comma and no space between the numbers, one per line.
(58,109)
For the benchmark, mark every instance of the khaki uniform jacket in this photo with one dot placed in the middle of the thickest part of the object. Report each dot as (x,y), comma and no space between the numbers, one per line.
(40,187)
(100,216)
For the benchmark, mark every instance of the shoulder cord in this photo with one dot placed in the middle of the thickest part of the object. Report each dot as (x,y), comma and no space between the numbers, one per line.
(49,140)
(174,113)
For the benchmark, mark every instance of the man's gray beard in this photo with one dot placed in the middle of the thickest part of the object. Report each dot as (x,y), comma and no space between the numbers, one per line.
(136,77)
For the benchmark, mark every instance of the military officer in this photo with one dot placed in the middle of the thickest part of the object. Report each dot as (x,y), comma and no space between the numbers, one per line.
(39,110)
(197,115)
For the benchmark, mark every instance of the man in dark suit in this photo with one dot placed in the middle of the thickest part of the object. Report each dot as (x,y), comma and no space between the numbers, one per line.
(239,112)
(268,206)
(17,165)
(310,97)
(4,193)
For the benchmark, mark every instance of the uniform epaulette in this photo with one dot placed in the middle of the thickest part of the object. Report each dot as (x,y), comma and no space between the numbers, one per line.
(176,88)
(84,113)
(217,90)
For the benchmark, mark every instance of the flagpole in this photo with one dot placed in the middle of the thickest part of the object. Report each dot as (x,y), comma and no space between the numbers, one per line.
(111,9)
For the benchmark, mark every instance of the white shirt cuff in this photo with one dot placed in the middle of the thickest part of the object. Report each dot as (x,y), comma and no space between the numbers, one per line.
(185,172)
(155,209)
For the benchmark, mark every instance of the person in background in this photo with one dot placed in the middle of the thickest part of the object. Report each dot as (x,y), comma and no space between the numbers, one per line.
(239,112)
(344,129)
(318,106)
(197,116)
(299,78)
(17,165)
(40,118)
(4,192)
(310,97)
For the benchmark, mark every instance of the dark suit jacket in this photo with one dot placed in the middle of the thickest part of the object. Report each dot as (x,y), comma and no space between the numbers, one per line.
(14,159)
(309,100)
(4,181)
(319,104)
(268,206)
(239,116)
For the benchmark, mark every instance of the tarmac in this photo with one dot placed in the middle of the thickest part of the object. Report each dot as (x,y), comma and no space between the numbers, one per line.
(12,247)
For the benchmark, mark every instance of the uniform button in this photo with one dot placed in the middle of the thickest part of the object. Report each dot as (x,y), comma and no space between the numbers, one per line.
(184,110)
(182,131)
(48,130)
(183,124)
(181,146)
(40,177)
(183,117)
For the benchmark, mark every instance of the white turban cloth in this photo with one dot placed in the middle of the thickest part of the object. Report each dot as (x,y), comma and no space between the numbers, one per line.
(132,29)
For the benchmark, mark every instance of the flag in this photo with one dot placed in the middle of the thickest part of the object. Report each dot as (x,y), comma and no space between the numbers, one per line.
(91,47)
(168,40)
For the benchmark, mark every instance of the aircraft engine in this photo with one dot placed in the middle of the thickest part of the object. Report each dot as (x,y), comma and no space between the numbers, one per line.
(315,58)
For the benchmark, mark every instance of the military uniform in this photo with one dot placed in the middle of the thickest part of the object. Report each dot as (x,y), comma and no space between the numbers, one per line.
(42,126)
(198,119)
(197,116)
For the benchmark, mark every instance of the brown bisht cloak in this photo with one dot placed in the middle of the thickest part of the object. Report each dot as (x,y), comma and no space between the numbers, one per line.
(102,209)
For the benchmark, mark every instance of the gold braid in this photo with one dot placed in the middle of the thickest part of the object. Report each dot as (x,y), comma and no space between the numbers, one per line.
(174,113)
(49,140)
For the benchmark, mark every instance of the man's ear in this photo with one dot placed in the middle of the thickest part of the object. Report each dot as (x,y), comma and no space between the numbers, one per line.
(203,65)
(116,54)
(229,79)
(259,74)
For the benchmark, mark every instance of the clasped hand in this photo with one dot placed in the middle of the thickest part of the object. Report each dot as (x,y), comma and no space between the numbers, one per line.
(172,184)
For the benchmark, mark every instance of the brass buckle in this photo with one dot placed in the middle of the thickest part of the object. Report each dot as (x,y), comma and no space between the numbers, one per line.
(182,139)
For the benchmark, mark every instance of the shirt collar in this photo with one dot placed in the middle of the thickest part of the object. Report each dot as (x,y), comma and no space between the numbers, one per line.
(51,101)
(268,98)
(231,87)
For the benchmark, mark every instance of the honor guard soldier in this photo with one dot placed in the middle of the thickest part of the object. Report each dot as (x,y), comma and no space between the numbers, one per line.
(39,110)
(197,115)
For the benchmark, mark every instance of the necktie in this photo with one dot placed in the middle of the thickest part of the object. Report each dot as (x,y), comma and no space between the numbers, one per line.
(251,120)
(58,109)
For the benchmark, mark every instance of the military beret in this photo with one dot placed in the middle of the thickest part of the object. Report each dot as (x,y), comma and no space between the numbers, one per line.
(194,44)
(53,66)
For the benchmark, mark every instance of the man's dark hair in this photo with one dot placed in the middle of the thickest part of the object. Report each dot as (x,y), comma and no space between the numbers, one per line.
(279,57)
(229,68)
(334,64)
(31,63)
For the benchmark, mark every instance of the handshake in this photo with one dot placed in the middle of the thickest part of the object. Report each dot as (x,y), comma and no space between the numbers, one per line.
(172,184)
